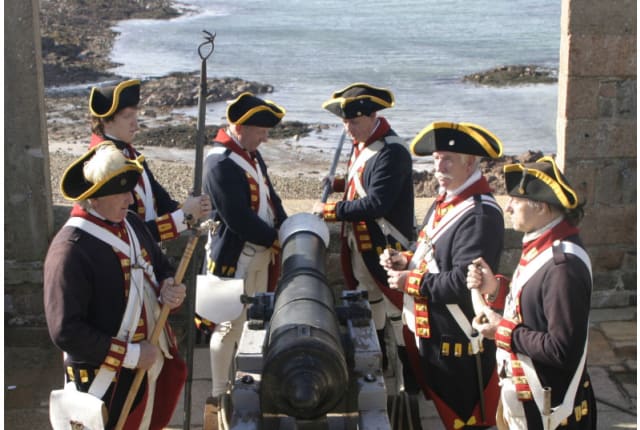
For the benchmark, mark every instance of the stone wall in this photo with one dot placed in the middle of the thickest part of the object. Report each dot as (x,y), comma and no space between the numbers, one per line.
(597,136)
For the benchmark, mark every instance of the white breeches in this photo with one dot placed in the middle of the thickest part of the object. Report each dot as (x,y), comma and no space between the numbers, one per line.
(253,266)
(381,306)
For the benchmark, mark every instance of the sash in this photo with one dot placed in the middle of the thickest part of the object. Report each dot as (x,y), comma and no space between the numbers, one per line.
(146,195)
(138,294)
(521,277)
(264,210)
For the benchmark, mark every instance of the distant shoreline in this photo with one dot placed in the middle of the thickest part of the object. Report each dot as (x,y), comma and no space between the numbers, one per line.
(76,52)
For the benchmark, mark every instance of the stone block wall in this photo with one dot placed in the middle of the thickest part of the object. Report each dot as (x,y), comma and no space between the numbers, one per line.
(597,136)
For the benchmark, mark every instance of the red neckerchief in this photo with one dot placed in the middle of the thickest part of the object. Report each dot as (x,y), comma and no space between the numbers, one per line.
(127,149)
(228,142)
(380,132)
(223,138)
(116,228)
(481,186)
(534,247)
(95,140)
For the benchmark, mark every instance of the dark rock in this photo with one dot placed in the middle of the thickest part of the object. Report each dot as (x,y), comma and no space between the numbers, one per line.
(514,75)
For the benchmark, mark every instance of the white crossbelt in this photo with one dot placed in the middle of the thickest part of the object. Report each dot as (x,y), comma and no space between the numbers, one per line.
(565,408)
(137,293)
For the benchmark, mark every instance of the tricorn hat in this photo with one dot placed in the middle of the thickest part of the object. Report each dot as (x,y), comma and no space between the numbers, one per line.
(464,138)
(75,186)
(248,109)
(105,101)
(541,181)
(358,99)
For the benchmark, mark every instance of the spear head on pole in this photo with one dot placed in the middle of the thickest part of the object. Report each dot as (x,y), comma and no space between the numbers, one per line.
(204,51)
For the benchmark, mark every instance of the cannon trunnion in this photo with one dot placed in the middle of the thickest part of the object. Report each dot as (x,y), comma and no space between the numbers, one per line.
(307,359)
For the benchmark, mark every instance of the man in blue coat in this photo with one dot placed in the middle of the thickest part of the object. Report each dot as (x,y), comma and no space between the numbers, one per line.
(464,223)
(377,208)
(249,212)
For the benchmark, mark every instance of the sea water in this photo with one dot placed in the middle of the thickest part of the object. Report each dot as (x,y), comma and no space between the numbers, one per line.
(419,49)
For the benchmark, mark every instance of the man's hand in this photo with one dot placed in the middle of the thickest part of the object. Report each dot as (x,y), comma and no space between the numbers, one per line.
(487,323)
(148,355)
(396,279)
(197,207)
(318,208)
(480,276)
(390,259)
(171,294)
(327,181)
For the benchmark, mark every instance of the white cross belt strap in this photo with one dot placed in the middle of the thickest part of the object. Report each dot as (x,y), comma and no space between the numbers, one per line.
(137,293)
(264,209)
(146,195)
(563,410)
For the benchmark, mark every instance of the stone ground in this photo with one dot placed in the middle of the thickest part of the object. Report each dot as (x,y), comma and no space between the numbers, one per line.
(32,368)
(612,366)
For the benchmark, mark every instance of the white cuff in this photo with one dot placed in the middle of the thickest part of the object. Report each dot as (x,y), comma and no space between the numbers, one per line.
(179,221)
(132,356)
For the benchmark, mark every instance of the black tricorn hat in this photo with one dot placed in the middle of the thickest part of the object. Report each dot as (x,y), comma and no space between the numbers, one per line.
(105,101)
(541,181)
(464,138)
(75,186)
(248,109)
(358,99)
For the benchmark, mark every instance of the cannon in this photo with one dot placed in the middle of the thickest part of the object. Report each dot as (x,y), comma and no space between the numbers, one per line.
(308,357)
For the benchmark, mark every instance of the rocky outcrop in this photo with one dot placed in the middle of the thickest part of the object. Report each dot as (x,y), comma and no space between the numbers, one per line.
(514,75)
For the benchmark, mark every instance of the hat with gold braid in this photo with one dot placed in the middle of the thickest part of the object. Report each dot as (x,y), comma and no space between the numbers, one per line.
(541,181)
(105,101)
(358,99)
(464,138)
(115,174)
(248,109)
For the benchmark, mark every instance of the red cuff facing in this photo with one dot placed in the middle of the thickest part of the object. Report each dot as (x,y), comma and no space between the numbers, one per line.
(503,334)
(408,255)
(497,300)
(166,227)
(412,283)
(115,356)
(329,212)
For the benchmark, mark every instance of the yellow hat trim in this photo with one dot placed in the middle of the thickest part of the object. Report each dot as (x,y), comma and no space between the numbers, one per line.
(255,110)
(344,100)
(130,165)
(465,127)
(116,97)
(470,129)
(421,135)
(557,186)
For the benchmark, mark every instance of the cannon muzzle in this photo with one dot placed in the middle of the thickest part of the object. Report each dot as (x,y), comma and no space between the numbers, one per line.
(305,371)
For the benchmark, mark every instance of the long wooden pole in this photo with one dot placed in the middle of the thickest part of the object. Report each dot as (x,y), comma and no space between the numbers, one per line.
(205,50)
(157,331)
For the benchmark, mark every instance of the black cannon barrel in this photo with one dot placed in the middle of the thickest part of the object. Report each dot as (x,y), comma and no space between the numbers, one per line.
(305,374)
